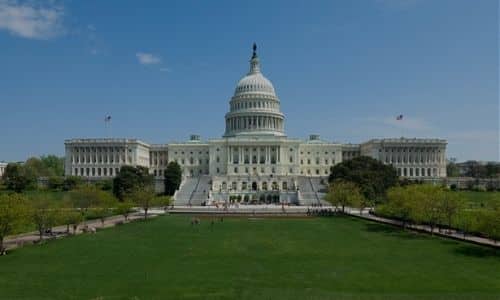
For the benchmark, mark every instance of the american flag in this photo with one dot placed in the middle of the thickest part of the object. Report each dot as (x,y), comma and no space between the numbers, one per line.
(399,118)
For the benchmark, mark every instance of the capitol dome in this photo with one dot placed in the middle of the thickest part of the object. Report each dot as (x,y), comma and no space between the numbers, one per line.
(254,107)
(254,82)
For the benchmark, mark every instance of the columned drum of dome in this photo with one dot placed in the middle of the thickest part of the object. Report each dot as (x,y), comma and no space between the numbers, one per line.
(254,108)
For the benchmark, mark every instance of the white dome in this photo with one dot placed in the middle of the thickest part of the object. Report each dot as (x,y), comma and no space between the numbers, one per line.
(254,109)
(254,83)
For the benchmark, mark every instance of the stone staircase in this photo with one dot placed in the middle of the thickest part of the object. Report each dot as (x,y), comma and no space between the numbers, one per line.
(311,191)
(201,190)
(193,191)
(183,195)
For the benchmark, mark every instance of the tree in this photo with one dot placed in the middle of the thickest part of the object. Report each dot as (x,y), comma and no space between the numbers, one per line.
(13,215)
(144,198)
(400,204)
(103,209)
(71,182)
(173,178)
(450,204)
(452,169)
(163,201)
(428,201)
(16,179)
(129,179)
(372,176)
(124,208)
(86,197)
(73,217)
(489,224)
(41,215)
(492,170)
(52,165)
(56,182)
(344,193)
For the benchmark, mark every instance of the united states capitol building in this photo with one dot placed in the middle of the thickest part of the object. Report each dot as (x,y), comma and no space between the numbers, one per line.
(254,160)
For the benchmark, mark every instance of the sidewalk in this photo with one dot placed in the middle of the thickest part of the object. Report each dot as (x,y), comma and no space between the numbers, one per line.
(453,234)
(29,238)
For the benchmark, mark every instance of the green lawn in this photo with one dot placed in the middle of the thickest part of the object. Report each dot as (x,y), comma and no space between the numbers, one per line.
(480,199)
(321,258)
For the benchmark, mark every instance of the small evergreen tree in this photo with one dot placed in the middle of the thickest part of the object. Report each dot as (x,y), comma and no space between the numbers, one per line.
(173,177)
(129,179)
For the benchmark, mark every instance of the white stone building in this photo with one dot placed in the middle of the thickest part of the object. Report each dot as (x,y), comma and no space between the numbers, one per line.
(3,165)
(254,160)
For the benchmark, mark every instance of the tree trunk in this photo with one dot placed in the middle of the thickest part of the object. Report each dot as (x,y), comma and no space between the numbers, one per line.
(1,246)
(145,213)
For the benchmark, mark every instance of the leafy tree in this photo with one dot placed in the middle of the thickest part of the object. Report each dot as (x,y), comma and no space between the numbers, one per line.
(173,178)
(86,197)
(52,165)
(34,167)
(71,182)
(104,208)
(427,200)
(74,218)
(400,204)
(16,178)
(43,215)
(344,193)
(452,170)
(449,205)
(372,176)
(475,169)
(129,179)
(124,208)
(144,198)
(13,215)
(56,182)
(492,170)
(163,201)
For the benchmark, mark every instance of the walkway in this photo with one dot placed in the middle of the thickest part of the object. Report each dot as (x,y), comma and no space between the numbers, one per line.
(453,234)
(20,240)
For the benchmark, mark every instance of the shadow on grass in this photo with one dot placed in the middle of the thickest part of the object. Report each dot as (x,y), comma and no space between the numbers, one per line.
(477,251)
(393,231)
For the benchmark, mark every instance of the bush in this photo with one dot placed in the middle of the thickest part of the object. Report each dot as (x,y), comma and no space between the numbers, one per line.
(71,182)
(105,185)
(56,182)
(453,187)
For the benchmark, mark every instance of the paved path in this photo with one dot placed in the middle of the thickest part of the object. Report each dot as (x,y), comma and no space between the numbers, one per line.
(454,234)
(20,240)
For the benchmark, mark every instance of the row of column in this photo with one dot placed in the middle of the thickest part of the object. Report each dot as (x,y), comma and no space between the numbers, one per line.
(81,157)
(418,172)
(257,122)
(413,157)
(270,157)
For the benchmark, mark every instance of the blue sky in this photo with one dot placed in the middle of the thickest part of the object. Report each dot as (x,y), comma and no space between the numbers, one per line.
(166,69)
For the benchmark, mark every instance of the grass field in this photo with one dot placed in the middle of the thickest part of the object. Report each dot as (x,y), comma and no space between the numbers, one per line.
(317,258)
(480,199)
